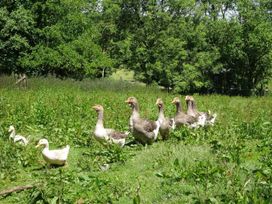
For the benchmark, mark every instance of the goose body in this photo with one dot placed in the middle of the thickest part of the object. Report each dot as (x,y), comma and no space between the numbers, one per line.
(181,118)
(165,123)
(106,135)
(17,138)
(144,131)
(203,118)
(54,157)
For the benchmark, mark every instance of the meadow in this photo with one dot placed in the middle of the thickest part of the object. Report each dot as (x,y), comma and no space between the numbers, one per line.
(230,162)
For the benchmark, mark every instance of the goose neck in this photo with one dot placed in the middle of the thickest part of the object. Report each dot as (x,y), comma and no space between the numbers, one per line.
(190,106)
(193,105)
(100,116)
(12,134)
(46,147)
(178,107)
(161,112)
(135,110)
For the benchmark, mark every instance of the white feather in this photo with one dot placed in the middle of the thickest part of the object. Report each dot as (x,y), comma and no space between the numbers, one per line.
(17,138)
(156,131)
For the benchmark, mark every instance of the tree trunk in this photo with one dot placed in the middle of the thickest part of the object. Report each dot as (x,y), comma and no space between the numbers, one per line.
(103,72)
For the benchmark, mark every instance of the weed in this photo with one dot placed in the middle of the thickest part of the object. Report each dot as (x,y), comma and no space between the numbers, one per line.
(229,162)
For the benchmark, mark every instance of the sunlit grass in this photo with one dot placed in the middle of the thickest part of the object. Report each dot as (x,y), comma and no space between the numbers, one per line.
(230,162)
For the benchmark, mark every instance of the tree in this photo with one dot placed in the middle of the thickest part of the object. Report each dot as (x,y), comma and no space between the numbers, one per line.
(16,31)
(203,46)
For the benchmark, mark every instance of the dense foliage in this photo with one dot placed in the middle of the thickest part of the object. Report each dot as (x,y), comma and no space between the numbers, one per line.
(190,45)
(227,163)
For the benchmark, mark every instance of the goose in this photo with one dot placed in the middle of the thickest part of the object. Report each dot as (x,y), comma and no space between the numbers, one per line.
(144,131)
(204,118)
(16,138)
(165,123)
(191,110)
(181,118)
(107,135)
(191,107)
(54,157)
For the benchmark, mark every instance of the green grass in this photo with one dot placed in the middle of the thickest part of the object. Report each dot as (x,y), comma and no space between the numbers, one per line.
(228,163)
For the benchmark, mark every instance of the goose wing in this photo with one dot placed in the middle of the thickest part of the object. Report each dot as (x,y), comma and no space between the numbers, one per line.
(59,154)
(20,138)
(183,118)
(116,134)
(148,126)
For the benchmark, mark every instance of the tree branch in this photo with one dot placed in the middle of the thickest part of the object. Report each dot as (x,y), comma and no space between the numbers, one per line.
(15,189)
(21,79)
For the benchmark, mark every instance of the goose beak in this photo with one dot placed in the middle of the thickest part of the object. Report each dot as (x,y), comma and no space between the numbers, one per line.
(173,101)
(37,145)
(127,101)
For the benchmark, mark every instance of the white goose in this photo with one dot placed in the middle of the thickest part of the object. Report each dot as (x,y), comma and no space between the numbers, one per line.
(105,134)
(54,157)
(17,138)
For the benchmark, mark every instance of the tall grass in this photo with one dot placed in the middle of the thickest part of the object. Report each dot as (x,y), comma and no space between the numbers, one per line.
(229,163)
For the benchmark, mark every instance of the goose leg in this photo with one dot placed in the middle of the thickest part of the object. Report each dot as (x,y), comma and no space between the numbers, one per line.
(65,165)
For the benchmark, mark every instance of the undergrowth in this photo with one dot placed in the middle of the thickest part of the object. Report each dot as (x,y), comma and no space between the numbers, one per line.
(227,163)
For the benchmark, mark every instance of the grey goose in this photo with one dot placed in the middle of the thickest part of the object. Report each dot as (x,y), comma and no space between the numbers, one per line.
(144,131)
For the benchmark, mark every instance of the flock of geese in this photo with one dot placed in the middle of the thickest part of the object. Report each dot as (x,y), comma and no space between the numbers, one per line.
(143,130)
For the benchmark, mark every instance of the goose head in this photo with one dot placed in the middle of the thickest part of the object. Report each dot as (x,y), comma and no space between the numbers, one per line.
(98,108)
(176,101)
(11,129)
(132,101)
(188,99)
(42,142)
(159,103)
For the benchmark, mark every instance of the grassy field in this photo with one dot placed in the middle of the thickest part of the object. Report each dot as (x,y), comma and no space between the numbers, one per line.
(230,162)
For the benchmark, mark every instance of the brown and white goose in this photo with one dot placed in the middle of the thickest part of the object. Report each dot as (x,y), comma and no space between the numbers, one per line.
(106,135)
(191,107)
(143,130)
(165,123)
(204,118)
(181,118)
